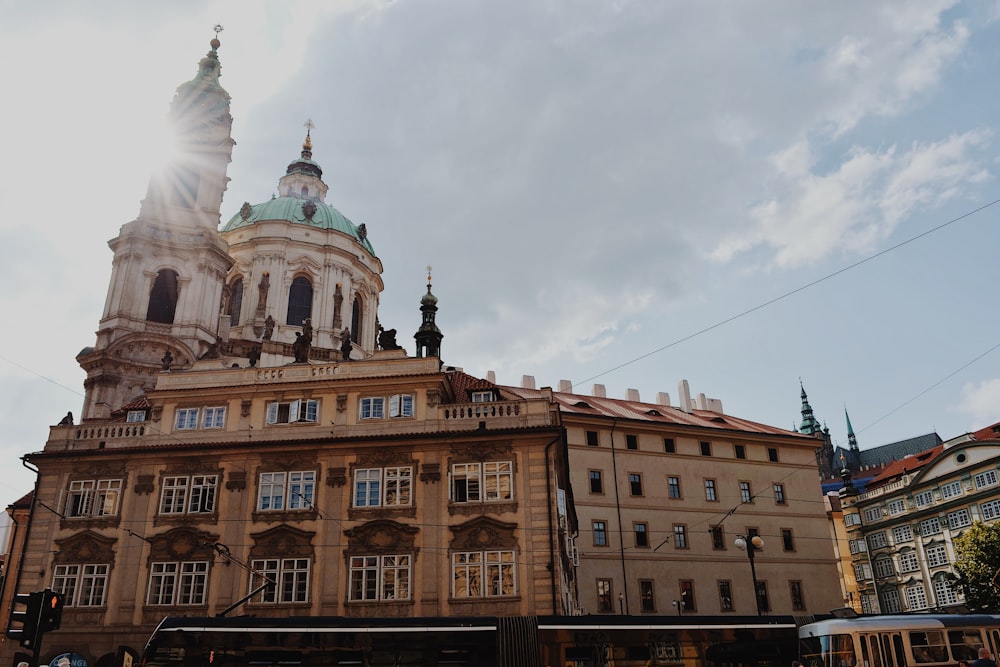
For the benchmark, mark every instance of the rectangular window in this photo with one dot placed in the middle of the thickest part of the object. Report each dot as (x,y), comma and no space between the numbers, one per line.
(710,492)
(930,526)
(490,481)
(674,487)
(631,441)
(687,595)
(746,496)
(896,507)
(923,499)
(772,454)
(937,555)
(193,494)
(884,568)
(187,418)
(81,585)
(916,596)
(605,599)
(787,541)
(779,494)
(762,597)
(372,408)
(725,595)
(635,483)
(178,583)
(990,510)
(680,536)
(908,561)
(890,602)
(380,578)
(951,490)
(483,574)
(902,534)
(596,481)
(214,417)
(401,405)
(286,490)
(706,448)
(946,594)
(600,534)
(668,446)
(741,451)
(641,535)
(383,487)
(647,599)
(862,572)
(93,498)
(798,599)
(291,577)
(592,438)
(291,412)
(877,540)
(718,538)
(852,519)
(482,396)
(135,416)
(857,546)
(984,479)
(959,519)
(873,514)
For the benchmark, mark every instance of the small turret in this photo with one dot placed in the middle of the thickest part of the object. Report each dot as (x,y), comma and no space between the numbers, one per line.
(428,336)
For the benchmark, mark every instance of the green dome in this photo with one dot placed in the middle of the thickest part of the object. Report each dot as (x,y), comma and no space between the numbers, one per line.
(294,210)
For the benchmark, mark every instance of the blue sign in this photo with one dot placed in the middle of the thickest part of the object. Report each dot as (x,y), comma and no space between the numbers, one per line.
(68,660)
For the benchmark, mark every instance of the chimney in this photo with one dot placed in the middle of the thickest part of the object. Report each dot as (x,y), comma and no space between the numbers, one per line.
(565,386)
(684,396)
(715,405)
(663,398)
(600,391)
(527,382)
(701,402)
(632,395)
(491,377)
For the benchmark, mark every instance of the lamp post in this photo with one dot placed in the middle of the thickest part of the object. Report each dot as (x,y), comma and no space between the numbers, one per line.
(750,545)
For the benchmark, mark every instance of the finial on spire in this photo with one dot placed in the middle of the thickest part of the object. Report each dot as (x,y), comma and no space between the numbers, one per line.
(429,275)
(215,40)
(309,125)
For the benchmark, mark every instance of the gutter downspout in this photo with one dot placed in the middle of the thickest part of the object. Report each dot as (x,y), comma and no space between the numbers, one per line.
(27,533)
(618,507)
(552,536)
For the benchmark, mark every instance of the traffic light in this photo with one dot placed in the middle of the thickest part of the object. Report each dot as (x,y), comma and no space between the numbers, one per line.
(51,611)
(27,633)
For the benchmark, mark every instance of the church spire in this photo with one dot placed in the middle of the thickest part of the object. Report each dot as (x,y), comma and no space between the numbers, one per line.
(810,425)
(428,336)
(852,439)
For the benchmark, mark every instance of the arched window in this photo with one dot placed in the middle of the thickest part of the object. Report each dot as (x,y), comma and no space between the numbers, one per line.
(235,301)
(163,298)
(300,297)
(356,320)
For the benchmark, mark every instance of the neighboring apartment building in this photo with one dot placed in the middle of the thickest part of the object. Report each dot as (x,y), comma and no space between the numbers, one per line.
(663,492)
(901,530)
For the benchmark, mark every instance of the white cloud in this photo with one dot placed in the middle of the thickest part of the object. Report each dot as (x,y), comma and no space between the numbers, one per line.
(981,401)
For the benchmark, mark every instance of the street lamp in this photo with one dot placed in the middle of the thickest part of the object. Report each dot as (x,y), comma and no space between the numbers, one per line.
(750,545)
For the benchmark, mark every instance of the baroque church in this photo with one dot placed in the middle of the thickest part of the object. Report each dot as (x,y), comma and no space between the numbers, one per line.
(253,441)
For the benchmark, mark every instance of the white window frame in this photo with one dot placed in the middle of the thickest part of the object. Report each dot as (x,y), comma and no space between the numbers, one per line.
(177,583)
(896,507)
(134,416)
(951,490)
(852,519)
(985,479)
(916,596)
(746,492)
(483,574)
(937,555)
(877,540)
(93,498)
(903,533)
(711,490)
(923,499)
(380,578)
(213,416)
(372,407)
(82,584)
(186,419)
(291,577)
(890,602)
(931,526)
(489,481)
(959,519)
(482,397)
(300,411)
(188,494)
(944,592)
(884,567)
(391,486)
(286,490)
(990,510)
(873,514)
(908,561)
(401,405)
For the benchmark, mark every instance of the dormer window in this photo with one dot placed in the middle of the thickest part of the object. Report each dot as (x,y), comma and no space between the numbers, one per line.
(482,396)
(136,416)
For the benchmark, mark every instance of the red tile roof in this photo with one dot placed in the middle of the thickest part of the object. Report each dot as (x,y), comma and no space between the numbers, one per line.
(904,465)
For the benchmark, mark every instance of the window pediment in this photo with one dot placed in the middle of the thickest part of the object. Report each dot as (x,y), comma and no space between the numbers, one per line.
(282,541)
(484,452)
(182,544)
(381,536)
(483,533)
(85,547)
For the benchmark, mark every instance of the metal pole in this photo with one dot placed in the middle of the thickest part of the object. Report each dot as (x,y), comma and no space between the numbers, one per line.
(753,576)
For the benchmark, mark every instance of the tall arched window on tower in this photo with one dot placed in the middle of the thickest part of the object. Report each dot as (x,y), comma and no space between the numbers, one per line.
(300,297)
(163,297)
(235,301)
(356,320)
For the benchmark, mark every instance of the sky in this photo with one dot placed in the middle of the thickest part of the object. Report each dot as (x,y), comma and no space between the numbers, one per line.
(742,195)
